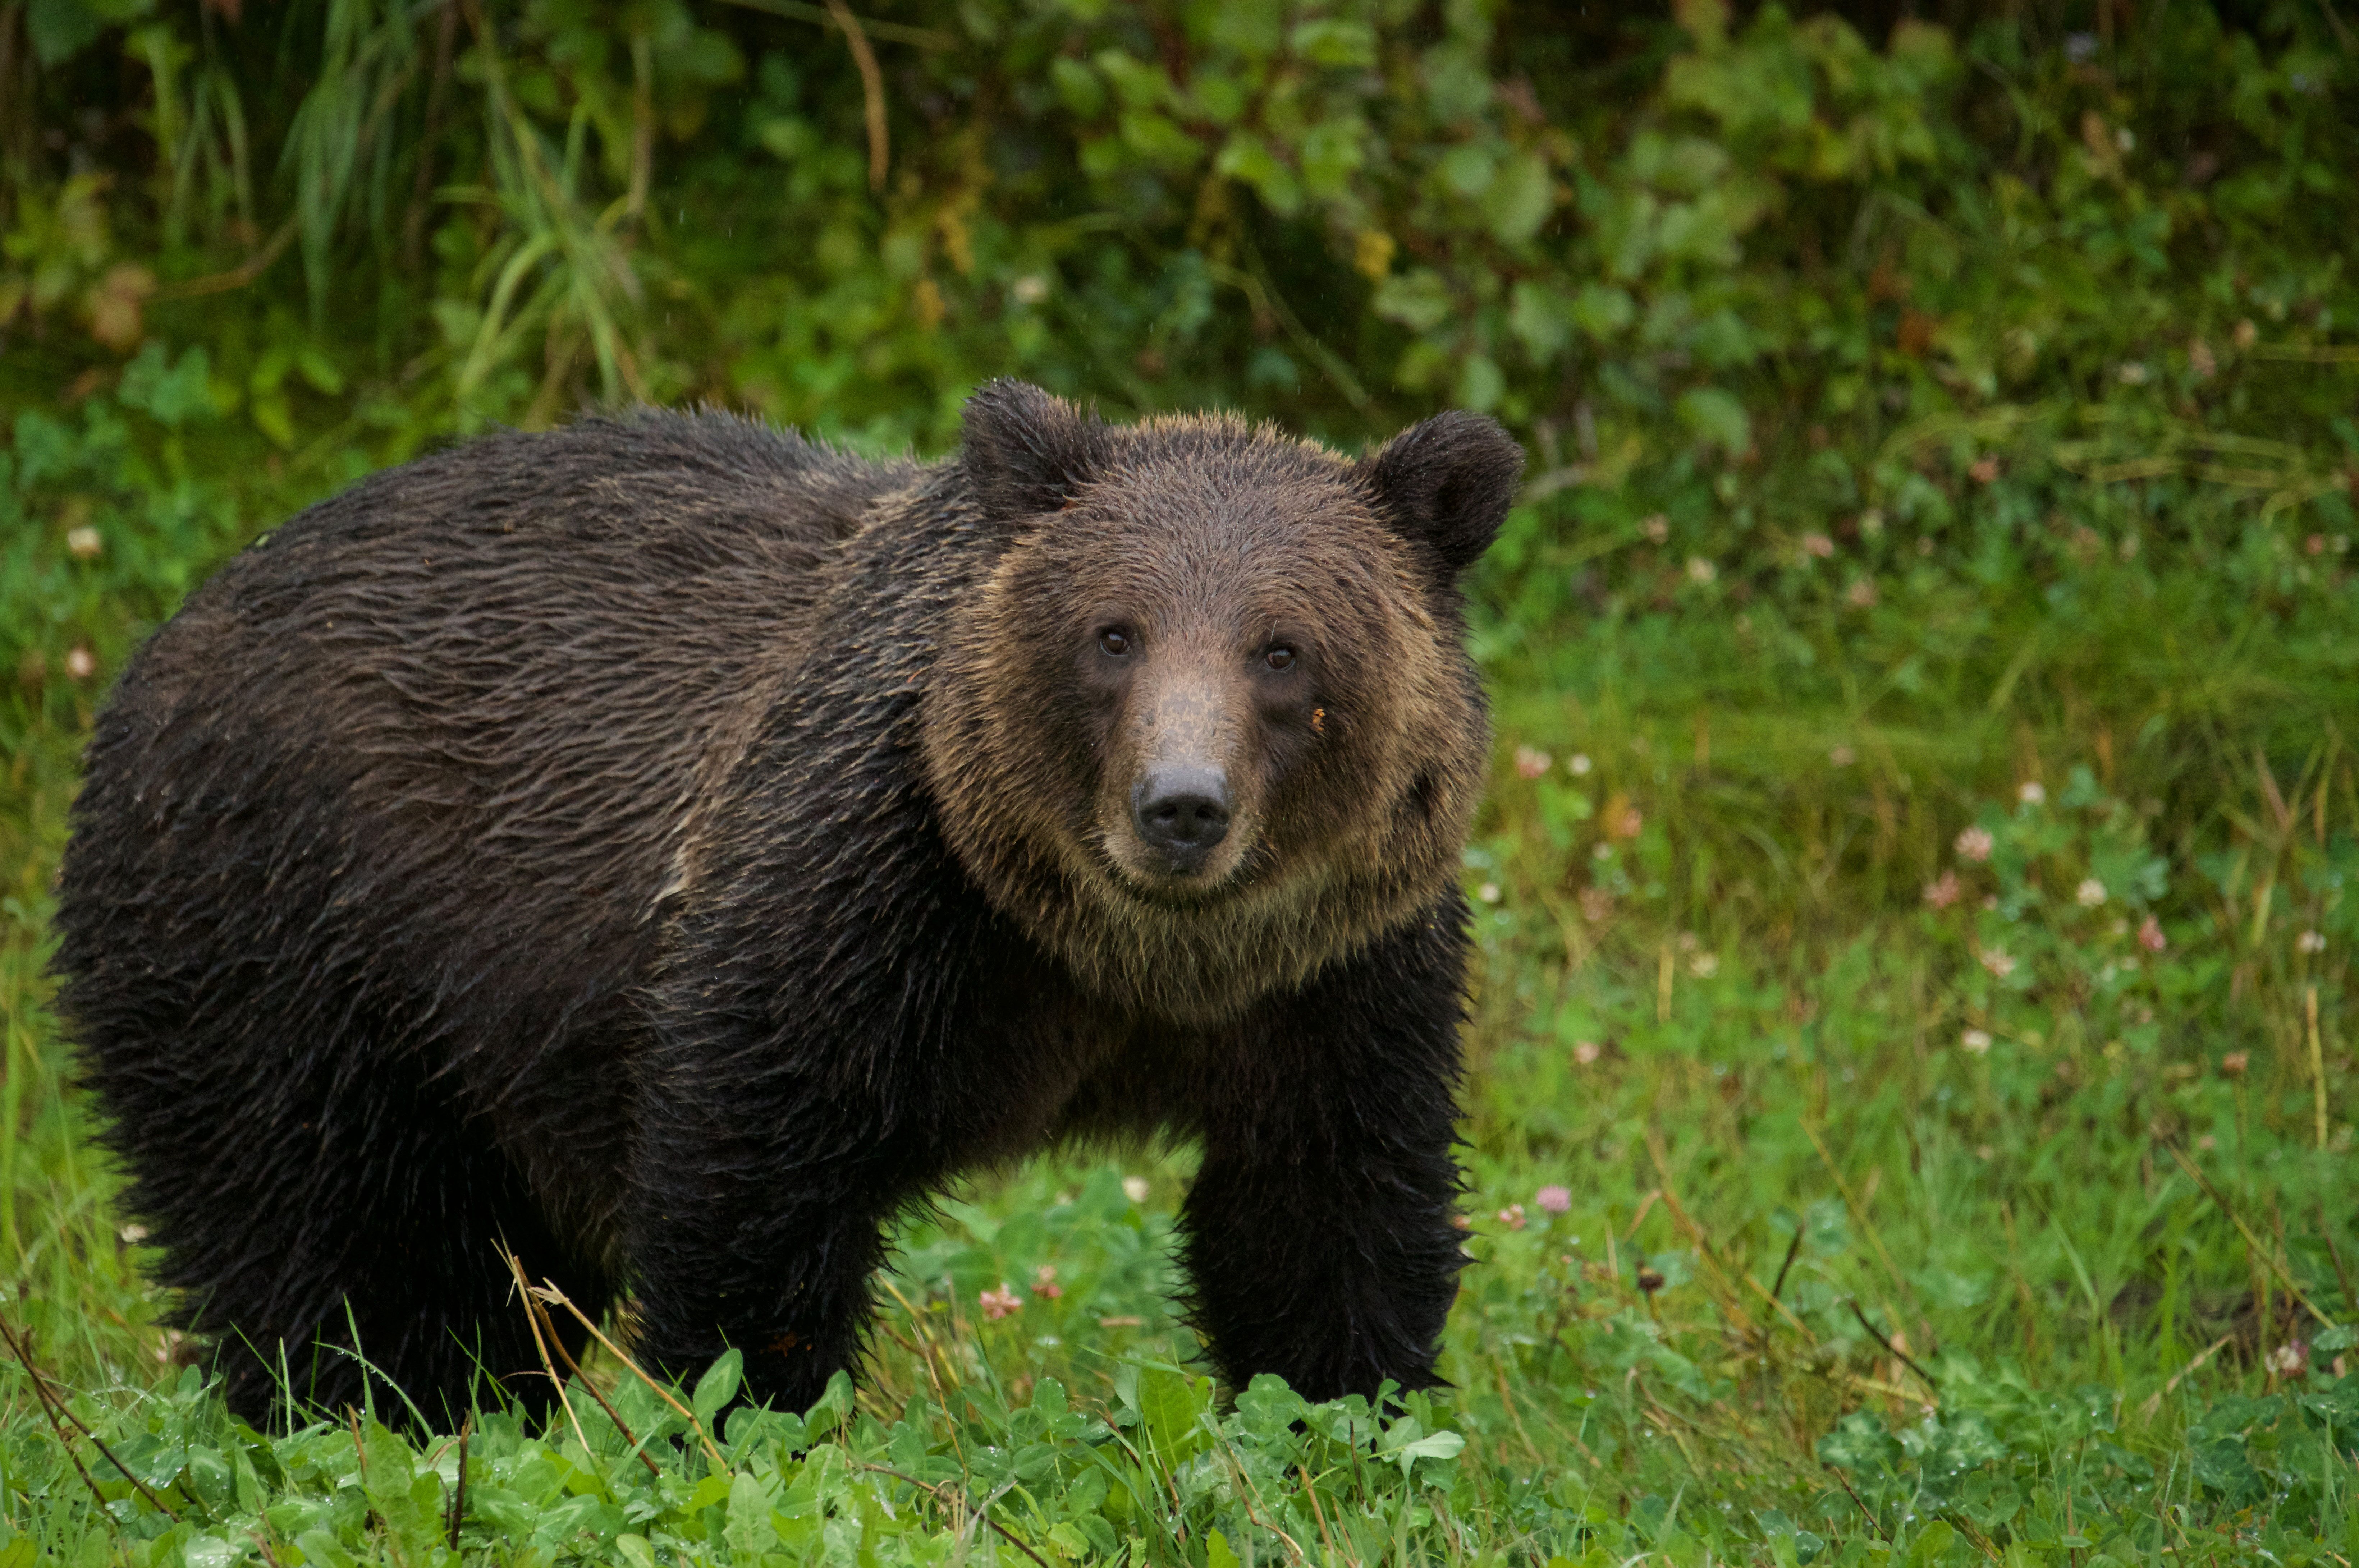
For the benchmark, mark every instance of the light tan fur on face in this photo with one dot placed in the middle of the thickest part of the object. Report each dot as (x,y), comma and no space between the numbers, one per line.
(1198,710)
(1358,830)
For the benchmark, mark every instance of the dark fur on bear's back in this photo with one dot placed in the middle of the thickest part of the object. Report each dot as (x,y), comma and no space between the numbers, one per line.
(632,843)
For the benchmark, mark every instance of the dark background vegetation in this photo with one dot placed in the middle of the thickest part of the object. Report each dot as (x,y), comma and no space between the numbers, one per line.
(1914,897)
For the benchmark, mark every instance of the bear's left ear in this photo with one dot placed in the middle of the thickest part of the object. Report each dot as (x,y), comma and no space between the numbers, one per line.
(1026,452)
(1446,484)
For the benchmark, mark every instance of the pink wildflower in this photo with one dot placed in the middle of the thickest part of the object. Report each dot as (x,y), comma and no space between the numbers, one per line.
(1943,891)
(1586,1052)
(1975,844)
(1818,545)
(2150,937)
(2289,1360)
(1531,763)
(1553,1200)
(1998,961)
(1044,1281)
(1000,1302)
(1512,1217)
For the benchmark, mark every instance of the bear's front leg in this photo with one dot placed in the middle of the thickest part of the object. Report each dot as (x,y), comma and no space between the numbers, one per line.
(761,1226)
(1320,1231)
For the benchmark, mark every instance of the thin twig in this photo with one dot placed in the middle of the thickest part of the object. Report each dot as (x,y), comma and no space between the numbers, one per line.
(643,124)
(458,1493)
(1859,1213)
(2335,1255)
(2154,1401)
(1844,1482)
(872,91)
(1506,1397)
(1249,1495)
(533,1316)
(1793,1251)
(1965,1526)
(890,32)
(54,1405)
(40,1397)
(1783,1310)
(574,1367)
(937,1493)
(548,1291)
(2266,1255)
(238,276)
(928,1353)
(2317,1064)
(1311,1492)
(1732,1304)
(1329,361)
(1897,1354)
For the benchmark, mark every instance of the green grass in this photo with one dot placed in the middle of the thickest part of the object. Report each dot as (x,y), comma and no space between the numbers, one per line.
(2056,1298)
(1912,425)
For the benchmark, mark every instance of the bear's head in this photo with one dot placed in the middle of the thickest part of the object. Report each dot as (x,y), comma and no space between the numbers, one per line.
(1207,722)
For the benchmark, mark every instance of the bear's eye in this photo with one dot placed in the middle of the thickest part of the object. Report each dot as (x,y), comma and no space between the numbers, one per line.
(1279,657)
(1113,642)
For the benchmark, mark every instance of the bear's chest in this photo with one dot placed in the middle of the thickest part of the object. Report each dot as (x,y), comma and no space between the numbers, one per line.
(1057,1063)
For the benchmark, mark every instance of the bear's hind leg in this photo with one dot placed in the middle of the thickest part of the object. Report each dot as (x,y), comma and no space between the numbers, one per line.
(347,1214)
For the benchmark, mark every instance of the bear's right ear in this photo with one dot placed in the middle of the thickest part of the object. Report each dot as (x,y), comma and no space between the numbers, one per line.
(1447,484)
(1026,452)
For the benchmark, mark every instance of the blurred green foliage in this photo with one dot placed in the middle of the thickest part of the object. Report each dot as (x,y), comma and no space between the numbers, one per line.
(1790,317)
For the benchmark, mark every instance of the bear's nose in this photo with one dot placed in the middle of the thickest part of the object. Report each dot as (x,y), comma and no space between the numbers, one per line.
(1183,812)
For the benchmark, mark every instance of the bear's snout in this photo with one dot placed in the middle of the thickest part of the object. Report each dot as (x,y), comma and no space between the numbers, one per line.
(1182,813)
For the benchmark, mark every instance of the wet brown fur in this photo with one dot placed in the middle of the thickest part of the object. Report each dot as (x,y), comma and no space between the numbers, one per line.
(1212,538)
(673,848)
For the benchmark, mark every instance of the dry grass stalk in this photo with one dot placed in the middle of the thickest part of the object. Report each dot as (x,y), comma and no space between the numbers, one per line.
(533,1304)
(2317,1061)
(1897,1353)
(1724,1288)
(942,1493)
(41,1396)
(534,1318)
(872,91)
(2154,1401)
(54,1406)
(2263,1257)
(1859,1213)
(546,1291)
(1320,1514)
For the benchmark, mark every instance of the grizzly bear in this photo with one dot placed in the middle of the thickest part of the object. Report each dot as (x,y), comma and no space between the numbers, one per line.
(672,848)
